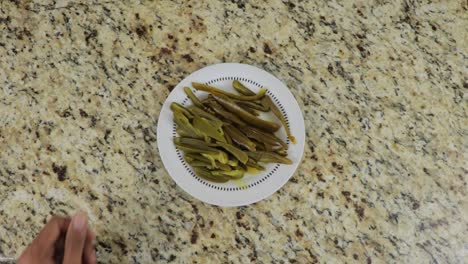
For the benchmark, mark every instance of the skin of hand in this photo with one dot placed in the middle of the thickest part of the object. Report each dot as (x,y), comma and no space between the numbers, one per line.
(78,247)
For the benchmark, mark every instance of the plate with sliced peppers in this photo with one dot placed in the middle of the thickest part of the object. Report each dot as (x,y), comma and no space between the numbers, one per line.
(231,134)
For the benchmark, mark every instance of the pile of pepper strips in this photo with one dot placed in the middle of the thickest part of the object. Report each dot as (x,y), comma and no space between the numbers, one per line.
(222,135)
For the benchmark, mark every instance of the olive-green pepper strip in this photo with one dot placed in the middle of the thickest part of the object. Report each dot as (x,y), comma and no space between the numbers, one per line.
(199,163)
(180,119)
(246,91)
(246,116)
(197,111)
(197,149)
(264,102)
(218,109)
(234,174)
(177,107)
(282,152)
(239,154)
(238,86)
(264,137)
(268,157)
(253,105)
(212,155)
(197,157)
(192,97)
(206,99)
(187,133)
(250,110)
(232,162)
(239,138)
(269,147)
(280,116)
(207,175)
(228,138)
(208,165)
(193,142)
(184,124)
(209,128)
(260,146)
(252,163)
(211,89)
(271,137)
(223,167)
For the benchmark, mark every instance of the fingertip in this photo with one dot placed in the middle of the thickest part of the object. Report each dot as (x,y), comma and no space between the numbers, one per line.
(79,221)
(91,235)
(76,237)
(89,253)
(92,257)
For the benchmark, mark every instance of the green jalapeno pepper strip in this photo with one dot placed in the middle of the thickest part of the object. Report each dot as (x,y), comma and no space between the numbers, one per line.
(246,91)
(237,153)
(272,148)
(239,138)
(198,157)
(197,111)
(195,156)
(207,175)
(233,162)
(192,97)
(218,109)
(252,105)
(183,124)
(228,138)
(250,110)
(259,145)
(252,163)
(210,153)
(209,128)
(211,89)
(246,116)
(234,174)
(178,107)
(268,157)
(199,163)
(238,86)
(187,133)
(264,137)
(280,116)
(194,142)
(282,152)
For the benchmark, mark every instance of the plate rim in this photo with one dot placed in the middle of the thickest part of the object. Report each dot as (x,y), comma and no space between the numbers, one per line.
(256,198)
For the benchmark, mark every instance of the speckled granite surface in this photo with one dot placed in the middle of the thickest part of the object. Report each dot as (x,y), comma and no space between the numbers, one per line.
(383,90)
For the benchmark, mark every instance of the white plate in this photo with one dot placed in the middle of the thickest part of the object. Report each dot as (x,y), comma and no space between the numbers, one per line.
(253,188)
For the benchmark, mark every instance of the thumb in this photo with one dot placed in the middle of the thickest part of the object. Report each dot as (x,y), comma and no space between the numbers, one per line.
(75,240)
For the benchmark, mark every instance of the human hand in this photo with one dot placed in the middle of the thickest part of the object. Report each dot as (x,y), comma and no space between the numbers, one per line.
(48,246)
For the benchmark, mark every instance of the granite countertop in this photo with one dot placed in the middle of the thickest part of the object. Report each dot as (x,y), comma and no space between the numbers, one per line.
(382,87)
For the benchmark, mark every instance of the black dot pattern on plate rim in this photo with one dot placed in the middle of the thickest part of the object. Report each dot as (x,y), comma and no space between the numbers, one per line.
(220,187)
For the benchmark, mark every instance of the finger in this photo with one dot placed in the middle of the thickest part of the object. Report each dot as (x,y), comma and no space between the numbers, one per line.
(89,254)
(91,258)
(90,235)
(45,241)
(75,240)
